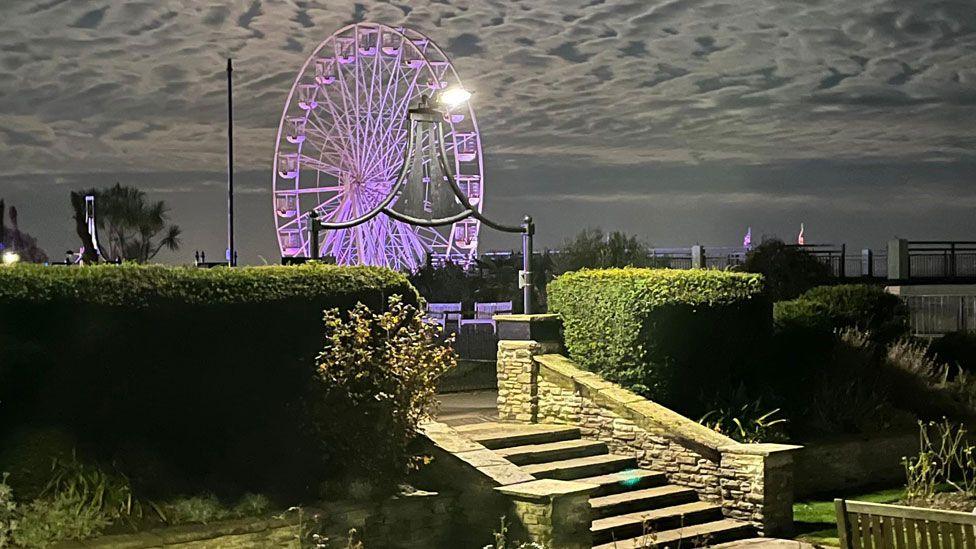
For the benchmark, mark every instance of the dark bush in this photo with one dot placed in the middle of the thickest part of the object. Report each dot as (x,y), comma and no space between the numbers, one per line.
(956,349)
(375,382)
(831,308)
(200,370)
(671,335)
(787,270)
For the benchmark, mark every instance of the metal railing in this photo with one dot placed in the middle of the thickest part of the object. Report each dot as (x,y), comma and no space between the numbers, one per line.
(942,259)
(934,315)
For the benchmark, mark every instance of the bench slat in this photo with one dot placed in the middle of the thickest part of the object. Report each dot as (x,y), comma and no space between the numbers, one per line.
(970,536)
(898,531)
(933,528)
(911,534)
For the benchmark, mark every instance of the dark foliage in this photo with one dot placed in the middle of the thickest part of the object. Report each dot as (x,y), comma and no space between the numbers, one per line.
(787,271)
(673,336)
(593,249)
(957,349)
(832,308)
(194,373)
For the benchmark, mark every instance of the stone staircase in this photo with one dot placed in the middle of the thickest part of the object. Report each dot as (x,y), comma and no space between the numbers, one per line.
(632,508)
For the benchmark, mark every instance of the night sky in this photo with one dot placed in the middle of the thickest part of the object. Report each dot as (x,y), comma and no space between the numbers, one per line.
(682,121)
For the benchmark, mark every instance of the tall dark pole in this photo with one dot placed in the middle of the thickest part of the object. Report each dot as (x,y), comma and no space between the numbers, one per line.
(231,252)
(528,228)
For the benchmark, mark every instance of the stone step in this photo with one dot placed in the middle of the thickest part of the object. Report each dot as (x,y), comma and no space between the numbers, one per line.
(698,535)
(552,451)
(623,481)
(641,500)
(576,468)
(637,524)
(506,435)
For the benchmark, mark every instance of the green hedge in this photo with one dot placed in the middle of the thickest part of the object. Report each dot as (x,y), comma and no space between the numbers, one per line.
(188,377)
(674,336)
(831,308)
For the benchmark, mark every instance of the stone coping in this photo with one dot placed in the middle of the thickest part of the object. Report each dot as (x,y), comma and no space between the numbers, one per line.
(647,414)
(546,489)
(189,533)
(542,317)
(498,470)
(174,535)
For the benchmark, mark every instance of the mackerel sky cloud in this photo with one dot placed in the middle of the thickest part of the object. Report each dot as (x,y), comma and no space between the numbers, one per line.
(681,120)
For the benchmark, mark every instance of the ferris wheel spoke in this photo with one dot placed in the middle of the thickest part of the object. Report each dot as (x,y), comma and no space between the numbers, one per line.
(324,140)
(320,166)
(391,88)
(411,92)
(319,125)
(346,109)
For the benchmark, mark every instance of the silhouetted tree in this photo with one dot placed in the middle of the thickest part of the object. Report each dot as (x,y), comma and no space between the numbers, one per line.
(13,239)
(788,271)
(593,249)
(131,228)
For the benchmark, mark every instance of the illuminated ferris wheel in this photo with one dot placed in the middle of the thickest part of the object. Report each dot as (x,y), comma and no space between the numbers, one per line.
(341,142)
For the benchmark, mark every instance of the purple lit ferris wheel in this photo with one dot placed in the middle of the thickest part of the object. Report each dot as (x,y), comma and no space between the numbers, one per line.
(341,144)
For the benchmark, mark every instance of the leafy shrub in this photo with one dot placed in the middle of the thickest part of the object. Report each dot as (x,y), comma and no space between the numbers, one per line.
(670,335)
(63,517)
(8,512)
(208,508)
(375,382)
(832,308)
(945,458)
(745,419)
(956,349)
(592,249)
(89,486)
(849,392)
(926,386)
(787,270)
(169,360)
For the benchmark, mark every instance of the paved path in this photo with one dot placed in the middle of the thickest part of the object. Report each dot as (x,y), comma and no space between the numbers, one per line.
(468,407)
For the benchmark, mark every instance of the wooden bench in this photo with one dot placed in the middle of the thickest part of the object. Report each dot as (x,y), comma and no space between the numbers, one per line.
(862,525)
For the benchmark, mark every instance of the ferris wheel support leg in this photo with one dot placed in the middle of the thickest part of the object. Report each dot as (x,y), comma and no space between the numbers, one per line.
(525,277)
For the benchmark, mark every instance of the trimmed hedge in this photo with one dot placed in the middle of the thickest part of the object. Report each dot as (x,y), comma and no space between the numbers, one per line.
(186,378)
(827,309)
(674,336)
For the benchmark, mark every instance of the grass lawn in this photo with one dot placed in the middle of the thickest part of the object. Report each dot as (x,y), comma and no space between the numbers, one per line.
(816,522)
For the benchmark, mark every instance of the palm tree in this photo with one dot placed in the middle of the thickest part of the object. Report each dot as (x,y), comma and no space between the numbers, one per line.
(15,240)
(131,228)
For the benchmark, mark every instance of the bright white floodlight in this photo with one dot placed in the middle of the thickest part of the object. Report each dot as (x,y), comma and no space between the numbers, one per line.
(454,97)
(9,258)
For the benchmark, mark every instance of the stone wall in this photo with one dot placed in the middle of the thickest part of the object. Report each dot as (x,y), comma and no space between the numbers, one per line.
(853,462)
(752,482)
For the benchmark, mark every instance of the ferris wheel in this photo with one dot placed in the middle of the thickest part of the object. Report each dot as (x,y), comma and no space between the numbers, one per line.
(341,143)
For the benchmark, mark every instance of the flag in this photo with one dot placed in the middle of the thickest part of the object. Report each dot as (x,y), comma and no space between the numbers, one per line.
(799,237)
(747,240)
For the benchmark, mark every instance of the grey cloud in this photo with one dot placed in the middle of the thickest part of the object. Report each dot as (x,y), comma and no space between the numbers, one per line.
(621,90)
(90,20)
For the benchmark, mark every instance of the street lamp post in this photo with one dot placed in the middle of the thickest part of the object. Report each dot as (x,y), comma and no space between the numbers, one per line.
(425,117)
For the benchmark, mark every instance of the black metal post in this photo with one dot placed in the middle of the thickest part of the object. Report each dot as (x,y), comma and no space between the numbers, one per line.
(314,226)
(843,261)
(528,230)
(231,252)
